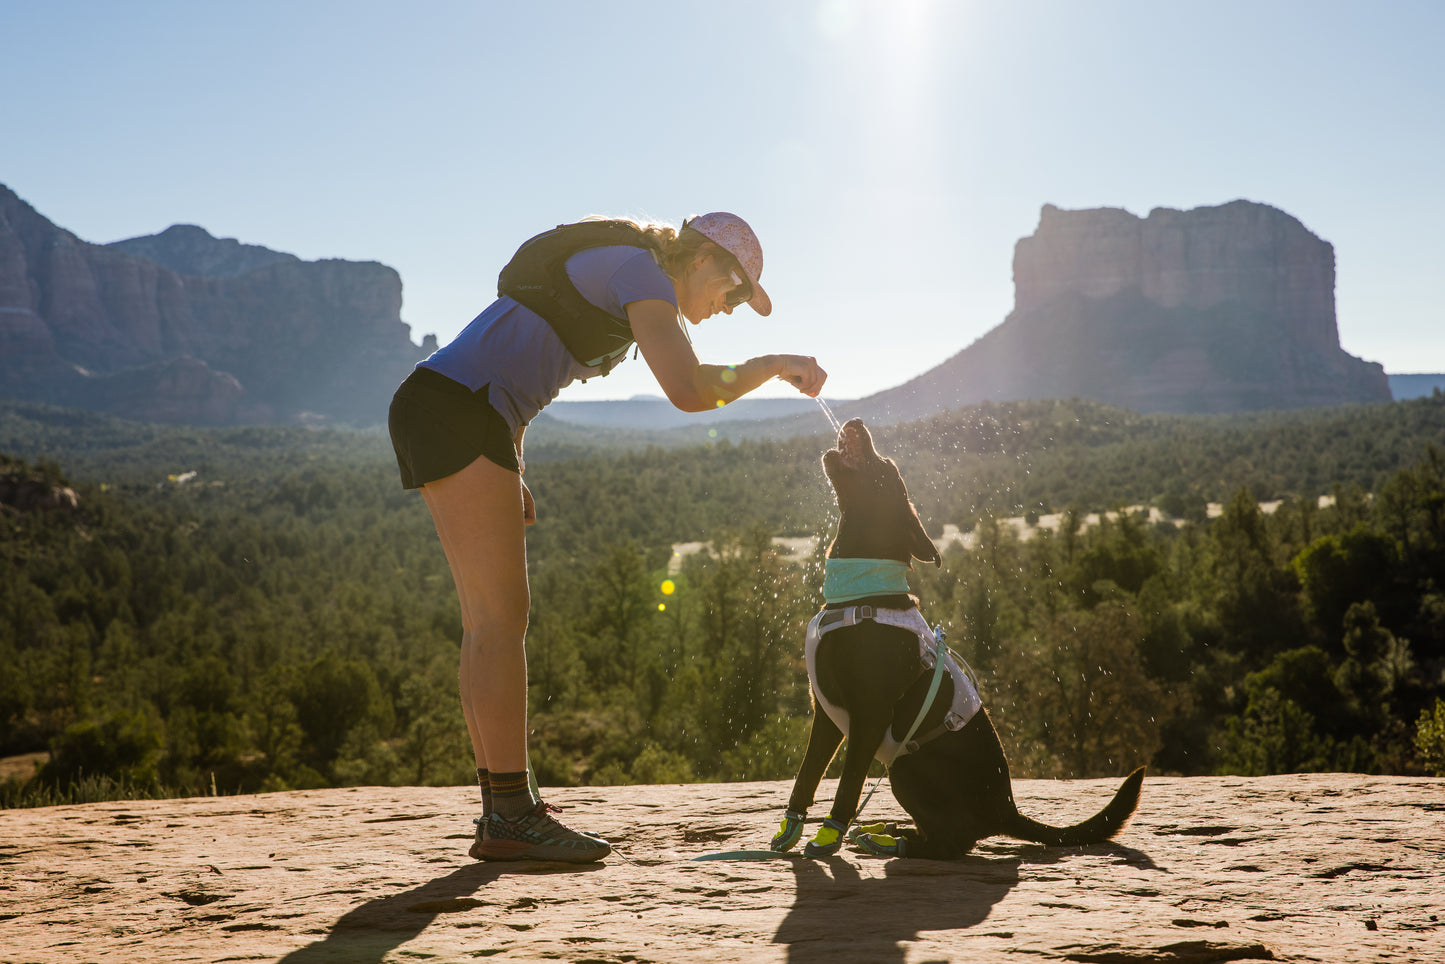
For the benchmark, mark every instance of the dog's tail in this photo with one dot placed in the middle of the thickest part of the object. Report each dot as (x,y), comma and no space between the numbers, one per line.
(1098,828)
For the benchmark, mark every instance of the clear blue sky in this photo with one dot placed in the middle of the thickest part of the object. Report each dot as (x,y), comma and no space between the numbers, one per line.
(889,153)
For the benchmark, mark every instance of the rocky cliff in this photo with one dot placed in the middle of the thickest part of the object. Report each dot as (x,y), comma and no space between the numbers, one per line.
(184,327)
(1217,309)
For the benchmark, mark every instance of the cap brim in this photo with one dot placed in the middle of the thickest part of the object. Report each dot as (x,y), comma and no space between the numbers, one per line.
(760,301)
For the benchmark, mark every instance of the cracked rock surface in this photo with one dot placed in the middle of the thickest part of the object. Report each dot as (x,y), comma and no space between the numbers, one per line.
(1314,867)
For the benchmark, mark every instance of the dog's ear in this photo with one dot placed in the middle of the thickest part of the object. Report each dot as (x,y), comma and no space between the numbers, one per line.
(919,544)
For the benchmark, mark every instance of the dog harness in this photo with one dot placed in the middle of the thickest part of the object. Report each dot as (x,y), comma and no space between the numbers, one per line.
(966,701)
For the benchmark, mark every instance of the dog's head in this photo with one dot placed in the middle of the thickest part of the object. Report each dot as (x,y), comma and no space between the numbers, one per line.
(876,519)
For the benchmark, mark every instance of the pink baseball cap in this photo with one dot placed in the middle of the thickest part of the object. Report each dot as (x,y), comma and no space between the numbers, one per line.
(732,234)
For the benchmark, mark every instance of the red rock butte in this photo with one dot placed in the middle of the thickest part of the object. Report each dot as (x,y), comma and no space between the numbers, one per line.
(1216,309)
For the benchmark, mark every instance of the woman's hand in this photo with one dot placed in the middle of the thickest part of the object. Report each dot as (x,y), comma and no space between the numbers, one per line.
(803,373)
(695,387)
(529,507)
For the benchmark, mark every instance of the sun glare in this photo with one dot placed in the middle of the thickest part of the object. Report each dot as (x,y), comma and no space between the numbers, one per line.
(884,76)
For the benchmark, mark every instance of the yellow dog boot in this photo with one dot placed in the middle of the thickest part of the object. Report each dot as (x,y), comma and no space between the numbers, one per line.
(859,829)
(881,844)
(827,840)
(789,833)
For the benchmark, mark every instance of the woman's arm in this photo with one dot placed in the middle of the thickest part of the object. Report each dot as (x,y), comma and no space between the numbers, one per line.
(694,387)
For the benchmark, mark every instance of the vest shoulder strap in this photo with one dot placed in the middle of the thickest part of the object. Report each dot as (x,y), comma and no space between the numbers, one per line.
(537,278)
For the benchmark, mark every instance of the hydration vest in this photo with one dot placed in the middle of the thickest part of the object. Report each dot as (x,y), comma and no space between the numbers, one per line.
(537,278)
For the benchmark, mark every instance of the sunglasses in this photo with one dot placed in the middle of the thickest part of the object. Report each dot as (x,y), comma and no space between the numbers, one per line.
(742,288)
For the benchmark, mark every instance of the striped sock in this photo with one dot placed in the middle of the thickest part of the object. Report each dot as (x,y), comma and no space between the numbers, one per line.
(484,783)
(511,794)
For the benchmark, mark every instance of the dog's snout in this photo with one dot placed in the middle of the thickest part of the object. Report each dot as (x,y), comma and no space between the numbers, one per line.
(854,443)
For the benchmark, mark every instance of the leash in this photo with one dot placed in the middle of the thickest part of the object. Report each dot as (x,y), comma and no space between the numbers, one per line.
(938,653)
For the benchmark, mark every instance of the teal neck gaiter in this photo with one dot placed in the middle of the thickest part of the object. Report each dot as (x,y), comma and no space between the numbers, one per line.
(845,579)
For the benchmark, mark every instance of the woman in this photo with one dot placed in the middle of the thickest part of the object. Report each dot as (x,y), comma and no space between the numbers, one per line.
(576,301)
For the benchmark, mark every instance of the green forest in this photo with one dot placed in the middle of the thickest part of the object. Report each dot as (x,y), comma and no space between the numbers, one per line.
(193,611)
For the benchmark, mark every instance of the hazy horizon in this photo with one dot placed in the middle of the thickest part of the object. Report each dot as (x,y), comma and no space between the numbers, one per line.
(889,155)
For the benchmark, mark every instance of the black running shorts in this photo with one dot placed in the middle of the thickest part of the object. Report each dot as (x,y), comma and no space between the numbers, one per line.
(439,427)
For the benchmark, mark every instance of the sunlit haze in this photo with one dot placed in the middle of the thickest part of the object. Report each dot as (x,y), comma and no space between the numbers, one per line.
(889,154)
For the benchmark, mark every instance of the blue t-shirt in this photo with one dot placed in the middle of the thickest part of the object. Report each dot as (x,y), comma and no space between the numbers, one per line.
(513,351)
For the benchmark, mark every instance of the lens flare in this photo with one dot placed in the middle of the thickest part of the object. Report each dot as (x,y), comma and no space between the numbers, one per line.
(668,587)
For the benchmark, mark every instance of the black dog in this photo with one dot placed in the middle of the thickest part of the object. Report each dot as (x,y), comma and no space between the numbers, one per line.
(870,659)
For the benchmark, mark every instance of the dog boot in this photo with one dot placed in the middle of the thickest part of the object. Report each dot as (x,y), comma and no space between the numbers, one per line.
(827,840)
(790,832)
(858,829)
(881,844)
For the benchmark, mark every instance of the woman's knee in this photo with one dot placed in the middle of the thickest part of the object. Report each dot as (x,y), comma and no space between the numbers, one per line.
(510,627)
(489,643)
(495,609)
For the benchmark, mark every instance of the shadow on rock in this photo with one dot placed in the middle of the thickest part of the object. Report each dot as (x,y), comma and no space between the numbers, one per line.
(368,933)
(1122,855)
(838,915)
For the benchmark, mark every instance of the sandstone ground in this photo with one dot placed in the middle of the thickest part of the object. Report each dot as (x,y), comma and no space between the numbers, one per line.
(1320,867)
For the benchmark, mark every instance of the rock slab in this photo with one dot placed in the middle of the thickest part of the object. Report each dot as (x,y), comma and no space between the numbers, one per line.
(1320,867)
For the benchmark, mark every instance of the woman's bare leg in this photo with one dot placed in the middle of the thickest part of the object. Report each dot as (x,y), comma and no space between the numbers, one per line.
(478,516)
(475,734)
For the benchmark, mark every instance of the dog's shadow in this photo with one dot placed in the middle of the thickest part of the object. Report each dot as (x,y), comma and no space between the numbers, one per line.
(837,912)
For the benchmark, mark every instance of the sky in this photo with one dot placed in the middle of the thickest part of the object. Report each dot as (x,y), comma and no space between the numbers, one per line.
(889,153)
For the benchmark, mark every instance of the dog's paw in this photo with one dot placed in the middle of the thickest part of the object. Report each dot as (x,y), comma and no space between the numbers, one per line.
(881,844)
(827,841)
(858,829)
(789,833)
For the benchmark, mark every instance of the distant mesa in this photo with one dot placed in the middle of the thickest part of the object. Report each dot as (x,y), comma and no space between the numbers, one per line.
(1216,309)
(188,249)
(185,327)
(1416,385)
